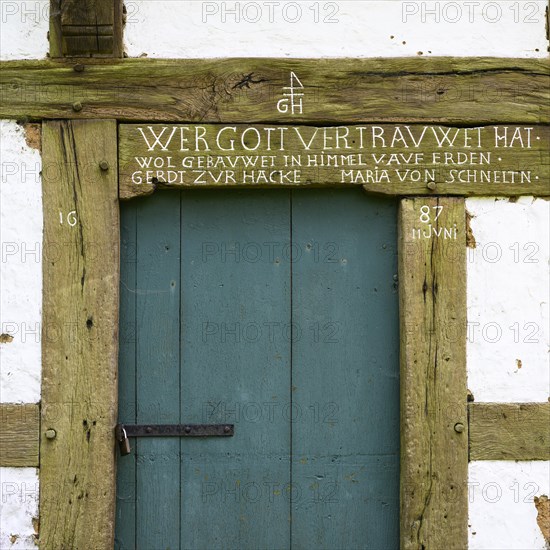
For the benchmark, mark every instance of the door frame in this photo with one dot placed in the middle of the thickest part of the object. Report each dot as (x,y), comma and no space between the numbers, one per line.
(432,283)
(81,259)
(432,297)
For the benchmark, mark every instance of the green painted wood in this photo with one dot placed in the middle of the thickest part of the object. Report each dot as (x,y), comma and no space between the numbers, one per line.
(158,371)
(274,310)
(235,370)
(345,372)
(151,233)
(125,523)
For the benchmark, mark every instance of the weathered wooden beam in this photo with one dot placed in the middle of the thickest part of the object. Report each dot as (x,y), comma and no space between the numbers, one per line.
(497,431)
(80,334)
(434,425)
(509,431)
(19,433)
(85,28)
(397,159)
(462,91)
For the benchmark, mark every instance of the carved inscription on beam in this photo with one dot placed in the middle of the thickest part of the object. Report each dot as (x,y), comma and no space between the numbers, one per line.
(398,159)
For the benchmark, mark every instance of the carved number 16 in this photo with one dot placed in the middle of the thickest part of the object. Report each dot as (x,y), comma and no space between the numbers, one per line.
(71,218)
(425,213)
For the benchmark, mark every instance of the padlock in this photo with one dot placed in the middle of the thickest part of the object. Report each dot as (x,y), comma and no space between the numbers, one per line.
(124,443)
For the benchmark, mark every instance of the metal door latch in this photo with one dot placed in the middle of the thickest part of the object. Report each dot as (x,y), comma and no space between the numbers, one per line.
(124,431)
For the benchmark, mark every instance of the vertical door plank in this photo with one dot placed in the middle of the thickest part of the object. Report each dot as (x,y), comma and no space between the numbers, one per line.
(432,280)
(80,334)
(236,368)
(345,371)
(125,533)
(158,370)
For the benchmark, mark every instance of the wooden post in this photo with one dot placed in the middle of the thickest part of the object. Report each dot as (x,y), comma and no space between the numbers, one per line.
(434,425)
(79,334)
(80,298)
(86,28)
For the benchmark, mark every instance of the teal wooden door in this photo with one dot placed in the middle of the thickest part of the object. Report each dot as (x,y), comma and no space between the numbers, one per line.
(276,311)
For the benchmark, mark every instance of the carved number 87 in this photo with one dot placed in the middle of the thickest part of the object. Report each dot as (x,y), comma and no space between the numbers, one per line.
(425,211)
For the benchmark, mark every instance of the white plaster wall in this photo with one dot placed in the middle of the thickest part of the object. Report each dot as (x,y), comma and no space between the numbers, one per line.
(502,514)
(508,300)
(21,265)
(19,508)
(504,291)
(23,35)
(23,29)
(508,323)
(357,28)
(20,316)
